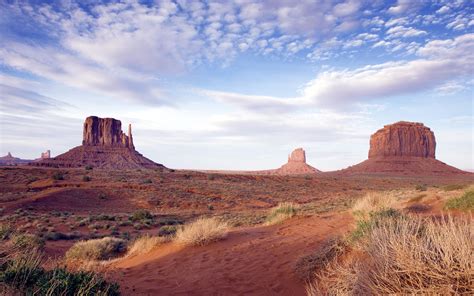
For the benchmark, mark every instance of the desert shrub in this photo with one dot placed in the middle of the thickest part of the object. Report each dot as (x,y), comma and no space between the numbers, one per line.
(373,202)
(364,225)
(421,187)
(417,198)
(202,232)
(27,242)
(167,230)
(172,220)
(23,275)
(145,244)
(453,187)
(147,181)
(307,265)
(5,231)
(96,249)
(86,178)
(58,176)
(55,236)
(413,255)
(464,202)
(140,215)
(88,168)
(281,212)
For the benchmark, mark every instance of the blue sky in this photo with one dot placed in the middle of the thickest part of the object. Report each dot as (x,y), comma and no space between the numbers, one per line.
(237,85)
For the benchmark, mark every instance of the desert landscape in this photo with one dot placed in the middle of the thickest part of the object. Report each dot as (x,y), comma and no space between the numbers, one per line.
(180,147)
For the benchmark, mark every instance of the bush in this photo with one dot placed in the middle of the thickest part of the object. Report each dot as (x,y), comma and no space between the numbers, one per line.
(58,176)
(282,212)
(413,255)
(27,242)
(453,187)
(421,187)
(141,215)
(25,276)
(147,181)
(5,231)
(96,249)
(373,202)
(86,178)
(463,203)
(88,168)
(167,230)
(145,244)
(202,232)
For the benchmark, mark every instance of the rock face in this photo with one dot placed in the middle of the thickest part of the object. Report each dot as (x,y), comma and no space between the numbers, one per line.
(403,139)
(104,145)
(46,155)
(403,148)
(106,132)
(9,159)
(296,164)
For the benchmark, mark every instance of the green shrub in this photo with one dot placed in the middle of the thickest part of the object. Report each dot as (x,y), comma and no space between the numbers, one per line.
(364,226)
(421,187)
(27,242)
(463,203)
(96,249)
(167,230)
(86,178)
(453,187)
(5,231)
(282,212)
(140,215)
(147,181)
(58,176)
(25,276)
(88,168)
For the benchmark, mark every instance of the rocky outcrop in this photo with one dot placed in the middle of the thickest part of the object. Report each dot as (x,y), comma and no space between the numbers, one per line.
(9,159)
(404,139)
(296,164)
(106,132)
(403,148)
(104,145)
(46,155)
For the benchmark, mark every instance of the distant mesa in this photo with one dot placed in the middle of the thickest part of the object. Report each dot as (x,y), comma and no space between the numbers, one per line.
(296,164)
(10,160)
(104,145)
(46,155)
(405,148)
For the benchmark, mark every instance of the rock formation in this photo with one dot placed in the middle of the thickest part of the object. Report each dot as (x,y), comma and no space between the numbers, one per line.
(46,155)
(403,148)
(403,139)
(9,159)
(104,145)
(296,164)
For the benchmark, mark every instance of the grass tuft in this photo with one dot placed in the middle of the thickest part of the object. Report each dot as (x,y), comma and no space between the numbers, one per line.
(145,244)
(96,249)
(202,232)
(282,212)
(463,203)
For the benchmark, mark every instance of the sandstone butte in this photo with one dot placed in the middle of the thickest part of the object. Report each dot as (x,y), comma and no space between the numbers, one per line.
(104,145)
(296,164)
(404,148)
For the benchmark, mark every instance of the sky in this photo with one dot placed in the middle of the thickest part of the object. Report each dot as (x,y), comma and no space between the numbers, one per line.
(237,84)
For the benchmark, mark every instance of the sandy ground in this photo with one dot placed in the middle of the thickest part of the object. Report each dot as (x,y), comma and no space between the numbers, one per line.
(256,261)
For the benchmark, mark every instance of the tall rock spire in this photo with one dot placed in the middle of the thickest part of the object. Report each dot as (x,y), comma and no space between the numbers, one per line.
(130,138)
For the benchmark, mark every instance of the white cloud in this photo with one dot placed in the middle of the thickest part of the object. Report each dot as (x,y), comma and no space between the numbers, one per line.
(443,10)
(400,31)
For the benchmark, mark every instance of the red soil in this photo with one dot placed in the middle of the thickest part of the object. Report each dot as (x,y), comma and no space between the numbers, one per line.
(255,261)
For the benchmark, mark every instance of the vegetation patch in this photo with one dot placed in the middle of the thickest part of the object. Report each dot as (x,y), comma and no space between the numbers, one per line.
(23,275)
(453,187)
(463,203)
(202,232)
(96,249)
(145,244)
(281,213)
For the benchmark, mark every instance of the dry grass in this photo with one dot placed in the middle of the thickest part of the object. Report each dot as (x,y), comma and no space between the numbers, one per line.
(464,202)
(308,265)
(412,255)
(145,244)
(282,212)
(374,202)
(202,232)
(96,249)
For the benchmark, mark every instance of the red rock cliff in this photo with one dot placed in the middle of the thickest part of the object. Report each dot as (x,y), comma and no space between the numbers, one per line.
(106,132)
(403,139)
(298,155)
